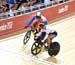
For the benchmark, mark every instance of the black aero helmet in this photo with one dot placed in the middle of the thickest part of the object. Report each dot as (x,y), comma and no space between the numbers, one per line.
(42,24)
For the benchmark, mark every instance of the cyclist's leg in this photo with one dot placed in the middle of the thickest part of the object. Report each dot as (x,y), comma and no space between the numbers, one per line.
(34,26)
(50,37)
(49,40)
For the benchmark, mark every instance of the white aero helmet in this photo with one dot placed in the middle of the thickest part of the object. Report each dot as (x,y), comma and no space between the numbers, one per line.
(38,14)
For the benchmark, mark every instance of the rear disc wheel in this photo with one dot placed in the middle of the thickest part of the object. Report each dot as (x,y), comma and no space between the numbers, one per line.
(54,49)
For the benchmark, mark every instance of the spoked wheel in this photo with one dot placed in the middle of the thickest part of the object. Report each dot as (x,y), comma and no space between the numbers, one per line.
(27,37)
(36,48)
(54,49)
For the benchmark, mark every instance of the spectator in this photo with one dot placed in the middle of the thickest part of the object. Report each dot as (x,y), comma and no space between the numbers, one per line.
(1,9)
(42,1)
(24,3)
(46,2)
(10,13)
(4,5)
(27,3)
(11,3)
(33,2)
(18,2)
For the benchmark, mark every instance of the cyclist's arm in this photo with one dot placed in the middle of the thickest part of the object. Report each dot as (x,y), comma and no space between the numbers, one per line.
(47,33)
(31,21)
(46,36)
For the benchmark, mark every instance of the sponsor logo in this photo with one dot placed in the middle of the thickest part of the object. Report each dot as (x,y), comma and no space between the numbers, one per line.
(64,9)
(8,25)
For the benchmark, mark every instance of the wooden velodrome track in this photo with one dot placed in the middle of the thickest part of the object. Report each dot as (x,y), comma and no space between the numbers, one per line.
(13,52)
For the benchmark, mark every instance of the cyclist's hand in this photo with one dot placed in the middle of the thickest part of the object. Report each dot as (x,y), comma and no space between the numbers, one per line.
(26,26)
(42,41)
(35,37)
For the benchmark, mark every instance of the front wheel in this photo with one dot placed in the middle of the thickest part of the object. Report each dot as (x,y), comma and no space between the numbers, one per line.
(36,48)
(27,37)
(54,49)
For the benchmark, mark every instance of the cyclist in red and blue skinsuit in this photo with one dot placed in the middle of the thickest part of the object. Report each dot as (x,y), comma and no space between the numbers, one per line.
(36,20)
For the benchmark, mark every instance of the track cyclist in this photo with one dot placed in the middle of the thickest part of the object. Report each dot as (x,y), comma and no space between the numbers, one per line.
(36,20)
(48,33)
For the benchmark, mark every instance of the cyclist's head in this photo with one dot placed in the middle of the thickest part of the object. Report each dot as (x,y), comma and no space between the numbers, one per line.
(38,14)
(42,25)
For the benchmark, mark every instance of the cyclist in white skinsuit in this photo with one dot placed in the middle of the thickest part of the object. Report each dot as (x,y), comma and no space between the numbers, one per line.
(49,34)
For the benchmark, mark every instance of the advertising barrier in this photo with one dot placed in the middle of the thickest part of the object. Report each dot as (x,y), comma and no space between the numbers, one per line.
(11,25)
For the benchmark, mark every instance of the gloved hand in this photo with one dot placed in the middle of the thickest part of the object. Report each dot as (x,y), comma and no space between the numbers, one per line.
(32,29)
(26,26)
(35,37)
(42,41)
